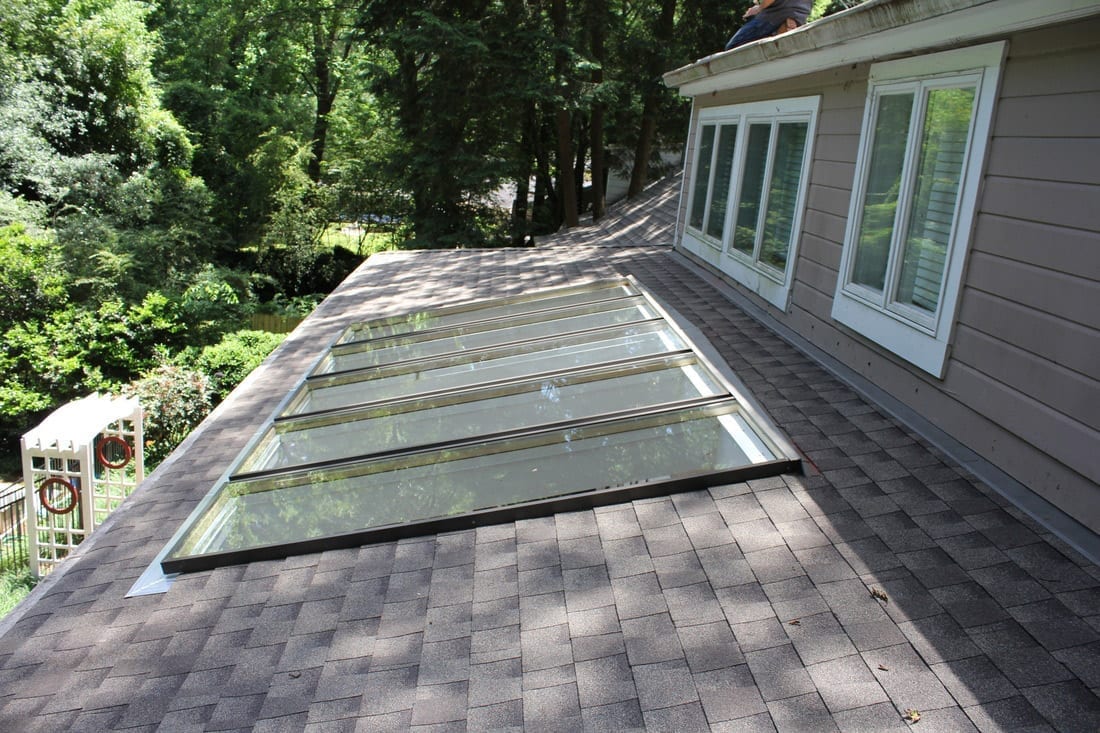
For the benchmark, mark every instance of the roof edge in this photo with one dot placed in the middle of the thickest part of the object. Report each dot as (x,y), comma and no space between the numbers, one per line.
(859,35)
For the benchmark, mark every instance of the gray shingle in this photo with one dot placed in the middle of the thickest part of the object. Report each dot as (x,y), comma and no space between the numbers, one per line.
(693,604)
(593,622)
(505,716)
(546,647)
(621,716)
(707,530)
(1017,655)
(674,571)
(669,539)
(779,673)
(846,683)
(552,708)
(587,588)
(938,639)
(728,693)
(638,595)
(794,598)
(448,622)
(605,681)
(651,639)
(725,566)
(586,648)
(628,556)
(678,719)
(804,713)
(1053,624)
(1014,713)
(618,524)
(406,635)
(819,638)
(544,609)
(763,634)
(691,504)
(880,718)
(495,682)
(802,534)
(974,680)
(664,684)
(907,679)
(710,646)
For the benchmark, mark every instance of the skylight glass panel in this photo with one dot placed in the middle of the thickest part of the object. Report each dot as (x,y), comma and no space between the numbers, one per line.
(501,308)
(481,413)
(528,327)
(485,411)
(457,371)
(446,483)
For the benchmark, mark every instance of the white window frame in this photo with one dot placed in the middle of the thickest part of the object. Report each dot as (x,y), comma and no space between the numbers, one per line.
(916,336)
(763,279)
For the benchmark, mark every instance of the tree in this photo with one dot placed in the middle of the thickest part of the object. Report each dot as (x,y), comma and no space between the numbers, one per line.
(652,91)
(456,75)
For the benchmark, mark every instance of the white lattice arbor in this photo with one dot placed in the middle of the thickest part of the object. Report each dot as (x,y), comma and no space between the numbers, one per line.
(78,465)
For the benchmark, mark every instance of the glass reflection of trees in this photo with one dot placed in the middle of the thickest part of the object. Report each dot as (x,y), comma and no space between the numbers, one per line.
(458,481)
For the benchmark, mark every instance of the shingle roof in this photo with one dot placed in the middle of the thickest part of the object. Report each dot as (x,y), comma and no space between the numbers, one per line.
(745,607)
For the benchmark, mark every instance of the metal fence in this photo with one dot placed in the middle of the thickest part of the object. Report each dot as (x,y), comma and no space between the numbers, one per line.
(13,540)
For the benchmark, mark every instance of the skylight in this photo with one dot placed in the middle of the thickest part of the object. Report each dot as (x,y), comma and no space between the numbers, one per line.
(481,413)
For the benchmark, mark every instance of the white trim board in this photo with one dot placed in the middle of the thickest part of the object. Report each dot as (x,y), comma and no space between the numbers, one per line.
(878,29)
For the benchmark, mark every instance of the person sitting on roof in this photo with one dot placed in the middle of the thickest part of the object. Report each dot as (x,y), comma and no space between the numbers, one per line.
(769,17)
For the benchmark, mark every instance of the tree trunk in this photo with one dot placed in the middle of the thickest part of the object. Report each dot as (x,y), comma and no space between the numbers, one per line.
(595,122)
(325,88)
(567,190)
(580,156)
(520,225)
(662,36)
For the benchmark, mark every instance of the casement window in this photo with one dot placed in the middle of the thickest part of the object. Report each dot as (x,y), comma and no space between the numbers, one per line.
(922,147)
(748,191)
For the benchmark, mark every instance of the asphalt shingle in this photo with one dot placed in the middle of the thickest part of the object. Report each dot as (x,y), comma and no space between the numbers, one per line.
(742,607)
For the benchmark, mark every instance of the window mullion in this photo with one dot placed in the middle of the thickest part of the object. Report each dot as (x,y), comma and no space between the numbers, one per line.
(737,172)
(765,191)
(905,195)
(713,175)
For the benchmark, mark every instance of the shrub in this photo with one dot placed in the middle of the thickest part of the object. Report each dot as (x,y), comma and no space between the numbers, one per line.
(14,586)
(175,400)
(228,362)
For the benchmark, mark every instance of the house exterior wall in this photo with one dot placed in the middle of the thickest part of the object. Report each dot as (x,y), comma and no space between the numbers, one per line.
(1022,382)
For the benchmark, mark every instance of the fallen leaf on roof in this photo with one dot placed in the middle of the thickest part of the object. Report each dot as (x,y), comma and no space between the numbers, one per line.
(912,715)
(794,622)
(880,595)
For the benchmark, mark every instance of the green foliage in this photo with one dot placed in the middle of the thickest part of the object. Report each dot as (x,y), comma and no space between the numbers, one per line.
(216,301)
(228,362)
(15,584)
(165,166)
(30,281)
(175,400)
(74,351)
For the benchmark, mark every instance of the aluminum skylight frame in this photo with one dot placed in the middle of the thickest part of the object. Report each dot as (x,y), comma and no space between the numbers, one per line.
(734,400)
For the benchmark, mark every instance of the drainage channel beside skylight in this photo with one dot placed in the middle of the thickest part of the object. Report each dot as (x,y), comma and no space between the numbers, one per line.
(481,413)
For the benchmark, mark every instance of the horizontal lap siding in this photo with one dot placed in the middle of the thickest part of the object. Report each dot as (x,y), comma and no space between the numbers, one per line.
(1027,344)
(1021,387)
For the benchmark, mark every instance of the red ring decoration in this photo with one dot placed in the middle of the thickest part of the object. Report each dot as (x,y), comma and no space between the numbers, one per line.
(55,480)
(127,451)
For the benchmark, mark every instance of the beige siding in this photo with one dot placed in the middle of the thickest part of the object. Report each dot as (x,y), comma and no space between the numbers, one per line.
(1027,345)
(1022,386)
(1065,250)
